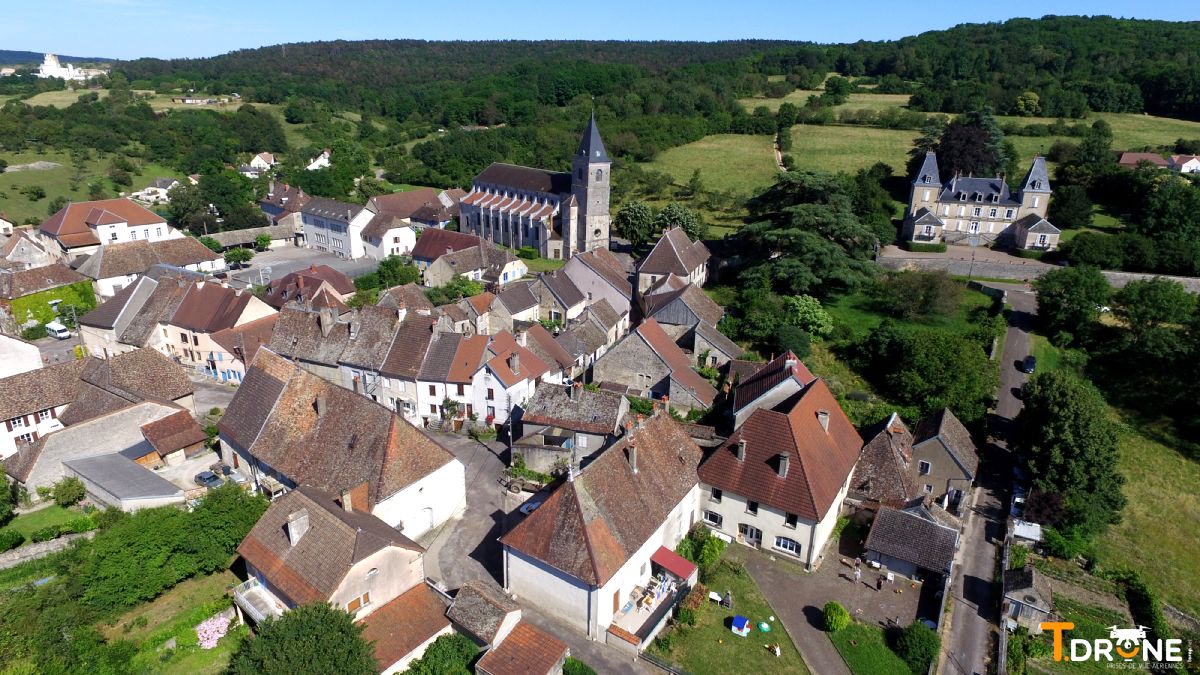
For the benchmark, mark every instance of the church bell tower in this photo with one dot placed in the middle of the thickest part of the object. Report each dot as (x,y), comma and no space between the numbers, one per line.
(591,171)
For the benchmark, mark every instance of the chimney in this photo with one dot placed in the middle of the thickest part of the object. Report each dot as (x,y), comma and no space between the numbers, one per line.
(449,250)
(575,389)
(401,312)
(633,457)
(297,525)
(523,338)
(741,450)
(823,418)
(784,461)
(514,362)
(319,404)
(354,326)
(347,501)
(790,364)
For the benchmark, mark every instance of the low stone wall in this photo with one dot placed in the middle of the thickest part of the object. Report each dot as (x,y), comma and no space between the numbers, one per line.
(39,549)
(1018,270)
(541,458)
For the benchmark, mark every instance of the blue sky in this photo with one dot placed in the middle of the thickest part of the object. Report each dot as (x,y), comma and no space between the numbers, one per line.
(177,28)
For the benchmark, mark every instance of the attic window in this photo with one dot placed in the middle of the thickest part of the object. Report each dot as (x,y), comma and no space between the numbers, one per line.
(995,198)
(978,196)
(962,196)
(926,178)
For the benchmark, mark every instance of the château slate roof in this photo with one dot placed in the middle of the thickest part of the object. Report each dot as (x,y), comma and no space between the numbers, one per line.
(1038,178)
(1037,225)
(928,174)
(981,191)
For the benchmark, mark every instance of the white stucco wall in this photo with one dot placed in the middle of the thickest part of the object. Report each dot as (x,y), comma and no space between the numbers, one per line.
(398,570)
(388,244)
(427,503)
(551,590)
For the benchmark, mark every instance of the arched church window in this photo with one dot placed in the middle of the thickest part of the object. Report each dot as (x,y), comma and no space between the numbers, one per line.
(599,174)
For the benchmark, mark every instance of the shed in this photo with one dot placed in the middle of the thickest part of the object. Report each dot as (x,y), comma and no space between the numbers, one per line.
(119,482)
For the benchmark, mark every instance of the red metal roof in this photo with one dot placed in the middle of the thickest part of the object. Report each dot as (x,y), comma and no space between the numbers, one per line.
(673,562)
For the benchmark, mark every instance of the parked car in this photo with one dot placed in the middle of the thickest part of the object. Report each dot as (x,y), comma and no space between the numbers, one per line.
(529,507)
(56,330)
(230,474)
(1029,364)
(209,480)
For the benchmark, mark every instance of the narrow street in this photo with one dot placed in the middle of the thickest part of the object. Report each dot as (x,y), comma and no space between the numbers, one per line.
(972,642)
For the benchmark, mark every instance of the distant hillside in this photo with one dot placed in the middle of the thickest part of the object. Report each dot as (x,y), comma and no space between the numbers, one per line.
(9,57)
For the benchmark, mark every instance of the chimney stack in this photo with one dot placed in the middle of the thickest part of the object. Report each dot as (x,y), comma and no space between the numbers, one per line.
(741,450)
(575,391)
(319,404)
(523,338)
(514,362)
(823,418)
(297,525)
(633,457)
(784,461)
(347,501)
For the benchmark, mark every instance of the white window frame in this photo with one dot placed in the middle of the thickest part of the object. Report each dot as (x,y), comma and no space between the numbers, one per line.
(793,549)
(18,422)
(44,415)
(924,467)
(713,518)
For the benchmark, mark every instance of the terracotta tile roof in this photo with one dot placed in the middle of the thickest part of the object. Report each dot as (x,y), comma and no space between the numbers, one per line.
(882,473)
(528,650)
(525,179)
(422,204)
(243,341)
(768,377)
(355,440)
(410,296)
(674,253)
(173,432)
(336,540)
(694,298)
(433,243)
(593,412)
(589,527)
(469,356)
(482,303)
(73,224)
(606,265)
(820,460)
(911,538)
(480,608)
(209,307)
(539,341)
(136,257)
(504,347)
(305,283)
(404,624)
(99,387)
(677,361)
(34,390)
(145,372)
(1135,158)
(19,283)
(408,349)
(945,428)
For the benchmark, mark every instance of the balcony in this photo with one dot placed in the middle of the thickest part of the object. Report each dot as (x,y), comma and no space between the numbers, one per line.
(257,602)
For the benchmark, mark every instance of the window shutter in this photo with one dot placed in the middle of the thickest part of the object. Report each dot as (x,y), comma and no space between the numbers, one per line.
(53,414)
(35,437)
(8,423)
(27,423)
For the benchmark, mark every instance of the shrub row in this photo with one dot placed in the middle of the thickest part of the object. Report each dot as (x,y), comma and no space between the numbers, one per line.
(917,247)
(10,539)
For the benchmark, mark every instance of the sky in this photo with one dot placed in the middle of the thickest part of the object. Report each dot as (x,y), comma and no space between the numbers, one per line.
(127,29)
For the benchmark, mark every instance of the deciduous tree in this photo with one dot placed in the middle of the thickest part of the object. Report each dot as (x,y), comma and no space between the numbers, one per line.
(312,638)
(1069,299)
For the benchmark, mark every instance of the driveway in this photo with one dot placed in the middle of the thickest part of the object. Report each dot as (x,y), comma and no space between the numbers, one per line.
(466,549)
(286,259)
(210,394)
(799,598)
(56,351)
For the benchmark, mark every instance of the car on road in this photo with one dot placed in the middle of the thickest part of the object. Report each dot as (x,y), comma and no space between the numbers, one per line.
(1029,364)
(58,331)
(529,507)
(209,480)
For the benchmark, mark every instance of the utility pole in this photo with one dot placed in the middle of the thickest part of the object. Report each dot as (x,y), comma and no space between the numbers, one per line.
(78,332)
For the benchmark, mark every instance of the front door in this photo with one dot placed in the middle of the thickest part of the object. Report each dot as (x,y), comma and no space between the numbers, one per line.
(751,534)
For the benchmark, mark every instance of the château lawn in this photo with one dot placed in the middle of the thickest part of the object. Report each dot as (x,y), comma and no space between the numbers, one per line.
(711,647)
(739,162)
(865,650)
(849,148)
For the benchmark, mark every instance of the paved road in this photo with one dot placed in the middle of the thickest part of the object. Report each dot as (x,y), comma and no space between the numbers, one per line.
(286,259)
(467,549)
(210,394)
(56,351)
(972,641)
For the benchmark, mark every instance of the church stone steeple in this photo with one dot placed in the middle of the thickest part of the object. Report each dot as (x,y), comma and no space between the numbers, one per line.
(591,187)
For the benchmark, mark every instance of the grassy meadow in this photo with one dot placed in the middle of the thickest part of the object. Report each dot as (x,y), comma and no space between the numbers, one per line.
(849,148)
(857,101)
(737,162)
(865,650)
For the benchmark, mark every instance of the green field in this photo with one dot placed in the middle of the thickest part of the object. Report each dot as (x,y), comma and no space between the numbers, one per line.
(1090,623)
(726,162)
(857,101)
(865,651)
(1130,130)
(1047,355)
(52,515)
(710,647)
(62,98)
(849,148)
(856,313)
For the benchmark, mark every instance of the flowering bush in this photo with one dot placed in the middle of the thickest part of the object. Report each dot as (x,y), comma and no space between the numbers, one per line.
(212,630)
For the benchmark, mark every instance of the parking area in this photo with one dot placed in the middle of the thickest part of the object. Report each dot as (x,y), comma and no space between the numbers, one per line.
(277,262)
(183,474)
(210,394)
(56,351)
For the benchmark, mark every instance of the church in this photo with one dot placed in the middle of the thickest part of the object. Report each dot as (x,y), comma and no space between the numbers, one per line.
(558,214)
(973,211)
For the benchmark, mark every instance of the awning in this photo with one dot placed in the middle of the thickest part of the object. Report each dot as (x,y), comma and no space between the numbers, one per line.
(673,562)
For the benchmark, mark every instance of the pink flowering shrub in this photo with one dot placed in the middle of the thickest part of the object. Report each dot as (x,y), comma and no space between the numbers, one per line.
(212,630)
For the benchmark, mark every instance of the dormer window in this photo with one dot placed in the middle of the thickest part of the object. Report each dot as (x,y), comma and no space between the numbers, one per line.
(962,196)
(978,196)
(1037,185)
(995,198)
(926,178)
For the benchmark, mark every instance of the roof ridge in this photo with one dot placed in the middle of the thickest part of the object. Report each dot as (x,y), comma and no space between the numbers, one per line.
(587,533)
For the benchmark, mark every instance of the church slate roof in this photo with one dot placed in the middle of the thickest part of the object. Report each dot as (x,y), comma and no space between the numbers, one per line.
(525,178)
(591,145)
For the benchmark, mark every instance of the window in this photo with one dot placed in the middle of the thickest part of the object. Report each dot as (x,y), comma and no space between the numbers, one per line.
(977,212)
(460,390)
(17,422)
(491,394)
(713,518)
(752,534)
(27,437)
(787,545)
(991,213)
(1008,213)
(928,489)
(146,233)
(715,496)
(114,235)
(433,409)
(358,603)
(491,412)
(196,340)
(790,520)
(1041,240)
(978,196)
(44,415)
(1036,200)
(372,572)
(183,337)
(928,230)
(579,173)
(581,441)
(924,467)
(432,390)
(926,197)
(158,231)
(752,508)
(132,235)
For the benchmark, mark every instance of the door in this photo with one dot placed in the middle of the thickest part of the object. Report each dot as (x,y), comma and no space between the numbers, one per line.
(616,601)
(750,533)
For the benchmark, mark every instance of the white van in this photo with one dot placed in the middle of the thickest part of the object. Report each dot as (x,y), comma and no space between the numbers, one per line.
(57,330)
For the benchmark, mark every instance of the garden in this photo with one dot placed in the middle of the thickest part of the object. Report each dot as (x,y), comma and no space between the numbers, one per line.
(61,517)
(700,639)
(868,649)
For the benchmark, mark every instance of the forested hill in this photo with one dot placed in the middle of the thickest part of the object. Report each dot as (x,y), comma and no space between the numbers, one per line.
(14,58)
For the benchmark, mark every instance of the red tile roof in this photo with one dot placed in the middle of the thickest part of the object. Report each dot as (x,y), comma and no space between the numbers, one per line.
(173,432)
(504,346)
(673,563)
(528,650)
(768,377)
(305,283)
(468,358)
(243,341)
(432,243)
(820,460)
(677,361)
(208,307)
(19,283)
(72,224)
(404,624)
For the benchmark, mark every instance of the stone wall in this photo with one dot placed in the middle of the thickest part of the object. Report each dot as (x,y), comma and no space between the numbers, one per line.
(39,549)
(1026,270)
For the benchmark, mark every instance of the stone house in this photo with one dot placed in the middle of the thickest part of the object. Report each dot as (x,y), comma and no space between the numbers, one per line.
(884,473)
(568,425)
(23,251)
(676,255)
(484,263)
(780,479)
(115,266)
(1028,599)
(690,317)
(515,303)
(558,297)
(912,542)
(600,276)
(651,365)
(944,458)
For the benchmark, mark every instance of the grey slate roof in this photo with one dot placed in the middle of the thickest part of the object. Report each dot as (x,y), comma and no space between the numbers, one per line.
(1028,586)
(331,209)
(597,412)
(517,297)
(913,539)
(978,191)
(562,287)
(945,427)
(480,609)
(1038,178)
(928,173)
(1037,224)
(591,145)
(123,478)
(440,357)
(717,339)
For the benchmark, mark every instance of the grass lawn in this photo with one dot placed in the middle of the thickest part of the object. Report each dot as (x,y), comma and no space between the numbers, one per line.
(1130,130)
(27,523)
(1162,490)
(1047,355)
(726,162)
(710,647)
(543,264)
(849,148)
(1090,623)
(863,647)
(63,97)
(856,312)
(857,101)
(168,607)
